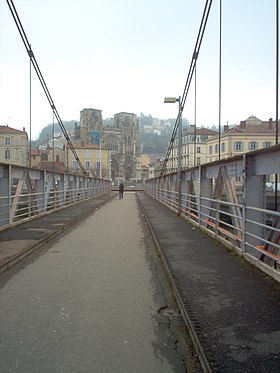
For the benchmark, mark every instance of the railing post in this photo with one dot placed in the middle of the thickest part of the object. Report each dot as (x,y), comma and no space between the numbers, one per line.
(5,195)
(199,195)
(254,194)
(179,188)
(217,217)
(44,189)
(205,195)
(244,211)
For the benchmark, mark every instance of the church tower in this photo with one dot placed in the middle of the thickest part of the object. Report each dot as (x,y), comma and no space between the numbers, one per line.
(129,152)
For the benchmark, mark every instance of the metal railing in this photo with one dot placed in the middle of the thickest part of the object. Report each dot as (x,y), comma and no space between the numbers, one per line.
(236,215)
(27,193)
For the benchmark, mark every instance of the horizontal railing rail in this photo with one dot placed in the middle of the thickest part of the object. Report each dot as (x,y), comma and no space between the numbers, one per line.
(26,193)
(229,199)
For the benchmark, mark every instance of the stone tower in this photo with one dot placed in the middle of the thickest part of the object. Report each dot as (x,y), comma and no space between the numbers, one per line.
(122,141)
(90,124)
(129,159)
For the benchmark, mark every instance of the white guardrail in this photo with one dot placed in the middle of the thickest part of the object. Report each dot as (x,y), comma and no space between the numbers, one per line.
(232,200)
(26,193)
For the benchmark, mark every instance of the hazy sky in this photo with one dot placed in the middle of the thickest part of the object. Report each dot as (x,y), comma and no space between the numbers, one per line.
(127,55)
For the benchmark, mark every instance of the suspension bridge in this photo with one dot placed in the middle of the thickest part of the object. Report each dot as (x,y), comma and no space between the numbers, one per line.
(82,286)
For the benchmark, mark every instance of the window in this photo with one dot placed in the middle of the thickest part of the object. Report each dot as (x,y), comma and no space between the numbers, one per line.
(217,148)
(23,141)
(7,154)
(267,144)
(223,147)
(198,149)
(198,161)
(87,165)
(211,149)
(44,157)
(7,141)
(57,158)
(238,146)
(74,164)
(253,145)
(98,164)
(87,153)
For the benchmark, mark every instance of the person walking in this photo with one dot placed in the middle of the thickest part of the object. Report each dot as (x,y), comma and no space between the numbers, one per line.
(121,189)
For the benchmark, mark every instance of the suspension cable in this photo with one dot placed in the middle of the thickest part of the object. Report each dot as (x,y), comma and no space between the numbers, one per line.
(189,79)
(42,81)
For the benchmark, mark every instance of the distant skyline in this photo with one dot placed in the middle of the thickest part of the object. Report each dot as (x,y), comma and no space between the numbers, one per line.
(123,55)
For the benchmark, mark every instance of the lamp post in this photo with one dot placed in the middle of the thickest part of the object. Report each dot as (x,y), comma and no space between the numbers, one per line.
(154,181)
(172,100)
(100,159)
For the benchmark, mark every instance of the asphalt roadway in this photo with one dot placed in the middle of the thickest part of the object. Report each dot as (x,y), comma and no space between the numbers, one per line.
(94,299)
(232,308)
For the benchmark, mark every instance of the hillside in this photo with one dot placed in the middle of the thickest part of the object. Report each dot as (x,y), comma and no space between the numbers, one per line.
(153,132)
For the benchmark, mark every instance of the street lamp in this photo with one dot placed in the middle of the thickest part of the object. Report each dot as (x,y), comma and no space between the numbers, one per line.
(172,100)
(154,181)
(100,158)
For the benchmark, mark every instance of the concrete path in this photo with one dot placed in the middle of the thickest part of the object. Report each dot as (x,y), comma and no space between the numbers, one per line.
(233,307)
(93,300)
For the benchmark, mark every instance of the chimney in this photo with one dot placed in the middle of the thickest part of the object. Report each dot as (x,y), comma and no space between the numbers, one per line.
(243,124)
(270,124)
(226,128)
(23,129)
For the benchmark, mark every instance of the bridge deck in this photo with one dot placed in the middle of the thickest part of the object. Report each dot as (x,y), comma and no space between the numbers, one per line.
(232,306)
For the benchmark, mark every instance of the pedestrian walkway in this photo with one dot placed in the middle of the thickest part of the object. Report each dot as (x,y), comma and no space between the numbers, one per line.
(20,240)
(233,307)
(92,300)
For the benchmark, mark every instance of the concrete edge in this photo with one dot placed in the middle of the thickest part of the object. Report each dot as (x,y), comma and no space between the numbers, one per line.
(5,265)
(199,349)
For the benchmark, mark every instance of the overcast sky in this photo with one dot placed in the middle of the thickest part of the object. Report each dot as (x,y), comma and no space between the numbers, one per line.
(127,55)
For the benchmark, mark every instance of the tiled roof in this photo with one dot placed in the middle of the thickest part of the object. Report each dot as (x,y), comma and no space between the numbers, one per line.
(7,129)
(205,131)
(254,128)
(39,151)
(35,152)
(246,128)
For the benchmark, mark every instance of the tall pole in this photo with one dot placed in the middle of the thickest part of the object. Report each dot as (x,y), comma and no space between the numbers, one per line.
(100,167)
(277,89)
(53,144)
(220,78)
(194,153)
(179,181)
(110,166)
(154,181)
(30,65)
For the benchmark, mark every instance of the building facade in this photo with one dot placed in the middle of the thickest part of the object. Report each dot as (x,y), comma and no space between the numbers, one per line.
(95,161)
(251,134)
(121,141)
(14,146)
(194,148)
